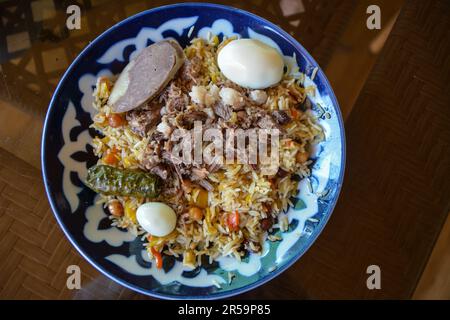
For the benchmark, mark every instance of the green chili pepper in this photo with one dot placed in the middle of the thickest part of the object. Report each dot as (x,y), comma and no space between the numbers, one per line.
(122,182)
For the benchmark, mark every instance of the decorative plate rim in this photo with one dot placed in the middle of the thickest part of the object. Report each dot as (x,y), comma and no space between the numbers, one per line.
(318,230)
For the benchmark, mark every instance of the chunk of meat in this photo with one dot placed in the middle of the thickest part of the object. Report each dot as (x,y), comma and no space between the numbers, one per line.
(302,157)
(146,75)
(281,117)
(223,111)
(266,122)
(306,105)
(196,213)
(143,119)
(186,120)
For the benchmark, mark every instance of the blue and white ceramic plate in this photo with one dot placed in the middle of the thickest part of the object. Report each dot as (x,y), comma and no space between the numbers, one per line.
(66,155)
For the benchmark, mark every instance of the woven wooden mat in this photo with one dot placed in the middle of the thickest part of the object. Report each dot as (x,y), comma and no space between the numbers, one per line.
(34,252)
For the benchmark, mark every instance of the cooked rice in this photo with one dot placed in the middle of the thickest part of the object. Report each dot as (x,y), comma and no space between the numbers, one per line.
(235,187)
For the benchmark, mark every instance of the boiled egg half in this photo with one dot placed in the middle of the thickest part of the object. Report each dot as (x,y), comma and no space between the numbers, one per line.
(156,218)
(251,63)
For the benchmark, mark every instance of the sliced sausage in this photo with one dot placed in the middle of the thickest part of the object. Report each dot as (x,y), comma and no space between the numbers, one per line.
(146,75)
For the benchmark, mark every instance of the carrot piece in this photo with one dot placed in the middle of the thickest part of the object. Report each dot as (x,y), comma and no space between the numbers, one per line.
(295,113)
(158,257)
(111,157)
(233,221)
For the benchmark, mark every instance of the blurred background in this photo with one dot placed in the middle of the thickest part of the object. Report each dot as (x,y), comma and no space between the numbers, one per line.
(35,50)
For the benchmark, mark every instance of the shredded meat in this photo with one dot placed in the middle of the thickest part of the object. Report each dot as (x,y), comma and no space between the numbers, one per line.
(161,171)
(190,72)
(166,155)
(244,120)
(185,170)
(205,184)
(214,167)
(174,98)
(199,174)
(151,160)
(143,119)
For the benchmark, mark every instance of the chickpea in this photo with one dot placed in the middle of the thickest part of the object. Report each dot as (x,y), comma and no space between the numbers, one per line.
(196,213)
(115,208)
(115,120)
(110,157)
(301,157)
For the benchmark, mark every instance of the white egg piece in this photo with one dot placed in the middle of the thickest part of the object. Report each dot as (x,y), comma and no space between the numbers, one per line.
(156,218)
(251,63)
